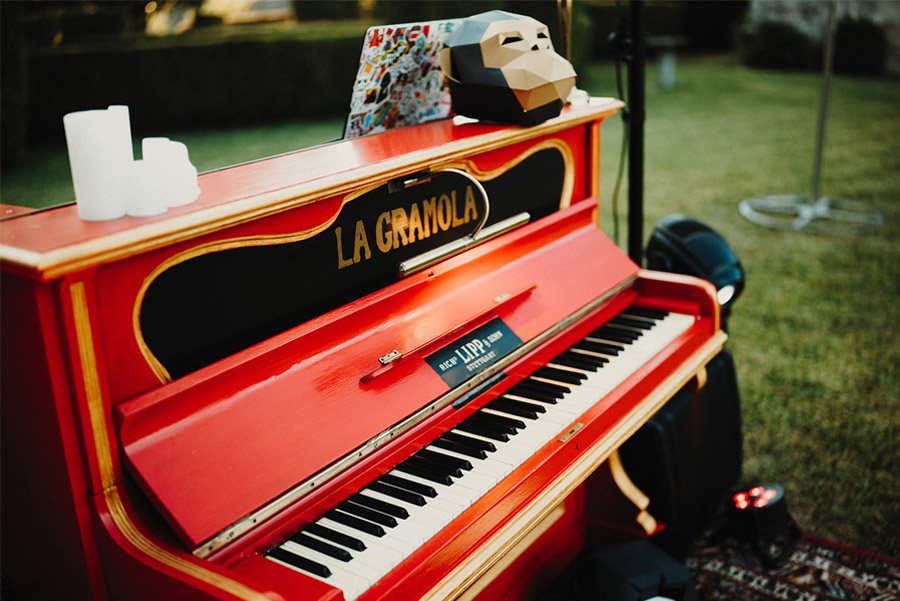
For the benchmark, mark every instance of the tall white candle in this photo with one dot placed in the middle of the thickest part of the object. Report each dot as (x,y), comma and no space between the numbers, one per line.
(97,141)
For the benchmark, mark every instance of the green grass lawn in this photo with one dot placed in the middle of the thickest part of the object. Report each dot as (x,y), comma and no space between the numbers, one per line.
(814,333)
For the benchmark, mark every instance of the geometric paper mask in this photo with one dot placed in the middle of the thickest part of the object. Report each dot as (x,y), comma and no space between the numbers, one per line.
(502,67)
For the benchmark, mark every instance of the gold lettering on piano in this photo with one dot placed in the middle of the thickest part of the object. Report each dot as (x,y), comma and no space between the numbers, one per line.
(398,227)
(360,246)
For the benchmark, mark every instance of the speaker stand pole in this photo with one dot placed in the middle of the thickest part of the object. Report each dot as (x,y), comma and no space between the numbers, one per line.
(636,85)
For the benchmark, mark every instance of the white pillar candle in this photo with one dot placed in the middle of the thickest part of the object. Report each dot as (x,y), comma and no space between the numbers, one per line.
(96,140)
(178,174)
(144,194)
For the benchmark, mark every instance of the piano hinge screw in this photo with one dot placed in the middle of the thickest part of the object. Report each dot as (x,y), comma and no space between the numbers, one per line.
(390,357)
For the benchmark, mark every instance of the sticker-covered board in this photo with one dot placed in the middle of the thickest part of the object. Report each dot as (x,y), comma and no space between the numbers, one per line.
(399,81)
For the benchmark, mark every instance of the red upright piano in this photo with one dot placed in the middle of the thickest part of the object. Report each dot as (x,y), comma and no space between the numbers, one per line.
(394,367)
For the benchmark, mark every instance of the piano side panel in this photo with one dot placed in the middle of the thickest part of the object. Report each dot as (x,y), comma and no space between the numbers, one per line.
(44,493)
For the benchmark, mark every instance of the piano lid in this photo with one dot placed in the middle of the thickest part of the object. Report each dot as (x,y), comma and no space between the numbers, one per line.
(53,243)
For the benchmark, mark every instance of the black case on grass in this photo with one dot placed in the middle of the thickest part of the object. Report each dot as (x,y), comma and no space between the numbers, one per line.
(689,455)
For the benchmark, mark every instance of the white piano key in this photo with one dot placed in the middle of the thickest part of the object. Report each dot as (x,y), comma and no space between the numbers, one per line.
(350,591)
(362,576)
(372,557)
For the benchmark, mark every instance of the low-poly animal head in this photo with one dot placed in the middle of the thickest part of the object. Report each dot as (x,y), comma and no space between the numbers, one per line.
(502,67)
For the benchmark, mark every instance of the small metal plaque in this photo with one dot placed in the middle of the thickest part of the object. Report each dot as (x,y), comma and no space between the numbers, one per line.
(466,356)
(571,432)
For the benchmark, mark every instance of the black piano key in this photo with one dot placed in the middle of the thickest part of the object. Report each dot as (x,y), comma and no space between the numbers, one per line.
(299,562)
(336,537)
(560,375)
(591,359)
(398,493)
(425,472)
(533,393)
(556,390)
(531,396)
(640,324)
(416,487)
(609,328)
(596,347)
(511,422)
(483,419)
(528,406)
(456,447)
(614,348)
(475,443)
(576,363)
(616,334)
(519,408)
(481,430)
(354,522)
(439,468)
(382,519)
(379,505)
(321,546)
(644,312)
(455,462)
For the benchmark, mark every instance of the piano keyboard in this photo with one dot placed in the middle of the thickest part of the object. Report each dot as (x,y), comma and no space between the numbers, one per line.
(360,540)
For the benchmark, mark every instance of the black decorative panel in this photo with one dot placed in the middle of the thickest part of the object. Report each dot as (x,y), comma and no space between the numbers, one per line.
(212,305)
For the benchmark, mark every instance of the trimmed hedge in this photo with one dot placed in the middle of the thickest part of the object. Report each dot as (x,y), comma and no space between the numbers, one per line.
(860,47)
(211,77)
(776,45)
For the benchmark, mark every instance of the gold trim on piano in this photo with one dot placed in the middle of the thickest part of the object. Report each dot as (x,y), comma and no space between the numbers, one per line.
(473,567)
(100,433)
(632,492)
(159,369)
(565,197)
(91,378)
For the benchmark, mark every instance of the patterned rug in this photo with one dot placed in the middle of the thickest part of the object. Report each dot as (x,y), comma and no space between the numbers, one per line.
(819,569)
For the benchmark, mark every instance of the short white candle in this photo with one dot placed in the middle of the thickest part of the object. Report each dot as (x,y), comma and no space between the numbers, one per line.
(144,190)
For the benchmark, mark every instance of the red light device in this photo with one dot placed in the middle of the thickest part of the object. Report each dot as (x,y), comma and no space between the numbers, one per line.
(760,515)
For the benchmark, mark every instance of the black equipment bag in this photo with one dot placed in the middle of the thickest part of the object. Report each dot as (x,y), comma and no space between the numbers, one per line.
(688,456)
